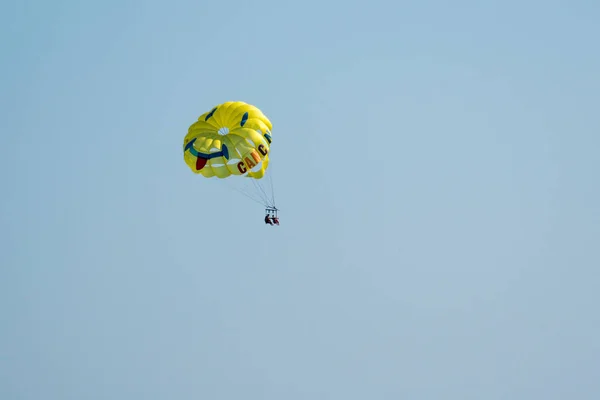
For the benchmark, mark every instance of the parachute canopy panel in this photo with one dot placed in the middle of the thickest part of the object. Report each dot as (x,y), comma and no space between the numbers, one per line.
(231,139)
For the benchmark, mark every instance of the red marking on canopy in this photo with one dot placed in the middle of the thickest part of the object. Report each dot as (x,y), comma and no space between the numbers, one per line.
(200,163)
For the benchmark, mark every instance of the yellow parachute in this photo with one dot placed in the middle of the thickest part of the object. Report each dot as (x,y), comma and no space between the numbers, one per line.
(234,138)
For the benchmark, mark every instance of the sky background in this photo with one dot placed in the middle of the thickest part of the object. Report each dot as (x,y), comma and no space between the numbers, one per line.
(437,167)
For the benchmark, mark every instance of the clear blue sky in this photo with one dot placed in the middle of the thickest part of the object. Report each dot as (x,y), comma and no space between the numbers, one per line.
(437,164)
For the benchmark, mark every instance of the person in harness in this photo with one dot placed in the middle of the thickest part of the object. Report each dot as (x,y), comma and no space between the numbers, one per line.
(268,220)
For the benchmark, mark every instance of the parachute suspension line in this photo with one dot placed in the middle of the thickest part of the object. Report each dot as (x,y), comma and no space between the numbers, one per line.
(261,201)
(245,193)
(265,197)
(272,189)
(270,200)
(250,197)
(272,197)
(259,191)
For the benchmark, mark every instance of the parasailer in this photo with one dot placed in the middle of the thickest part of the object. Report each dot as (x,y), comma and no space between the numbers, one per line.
(232,141)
